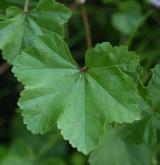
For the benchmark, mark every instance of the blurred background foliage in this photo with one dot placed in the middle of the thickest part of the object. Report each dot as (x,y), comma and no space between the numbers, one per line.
(132,22)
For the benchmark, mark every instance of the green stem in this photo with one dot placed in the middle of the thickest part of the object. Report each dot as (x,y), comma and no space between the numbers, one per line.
(26,5)
(86,25)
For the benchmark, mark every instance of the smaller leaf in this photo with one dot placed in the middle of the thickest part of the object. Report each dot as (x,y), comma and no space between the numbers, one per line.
(21,153)
(18,154)
(114,150)
(127,21)
(18,30)
(143,131)
(154,88)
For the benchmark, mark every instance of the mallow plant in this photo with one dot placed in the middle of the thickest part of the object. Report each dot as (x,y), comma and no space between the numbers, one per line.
(101,108)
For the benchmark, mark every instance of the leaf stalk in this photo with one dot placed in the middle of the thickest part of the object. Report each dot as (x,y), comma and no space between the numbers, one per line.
(26,6)
(86,25)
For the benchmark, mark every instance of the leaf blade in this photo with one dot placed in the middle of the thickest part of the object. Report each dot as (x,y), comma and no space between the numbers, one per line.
(55,87)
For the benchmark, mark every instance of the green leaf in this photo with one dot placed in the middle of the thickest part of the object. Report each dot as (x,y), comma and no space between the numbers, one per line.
(29,149)
(150,95)
(154,89)
(145,130)
(126,22)
(58,91)
(113,150)
(20,29)
(18,154)
(21,153)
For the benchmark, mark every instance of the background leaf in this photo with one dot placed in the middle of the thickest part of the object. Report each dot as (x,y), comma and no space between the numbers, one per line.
(125,154)
(48,16)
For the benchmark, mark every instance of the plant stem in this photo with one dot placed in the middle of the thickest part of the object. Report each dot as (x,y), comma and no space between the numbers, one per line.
(86,25)
(26,5)
(4,67)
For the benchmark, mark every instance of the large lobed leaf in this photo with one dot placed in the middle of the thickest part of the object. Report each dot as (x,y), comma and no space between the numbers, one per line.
(19,29)
(80,100)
